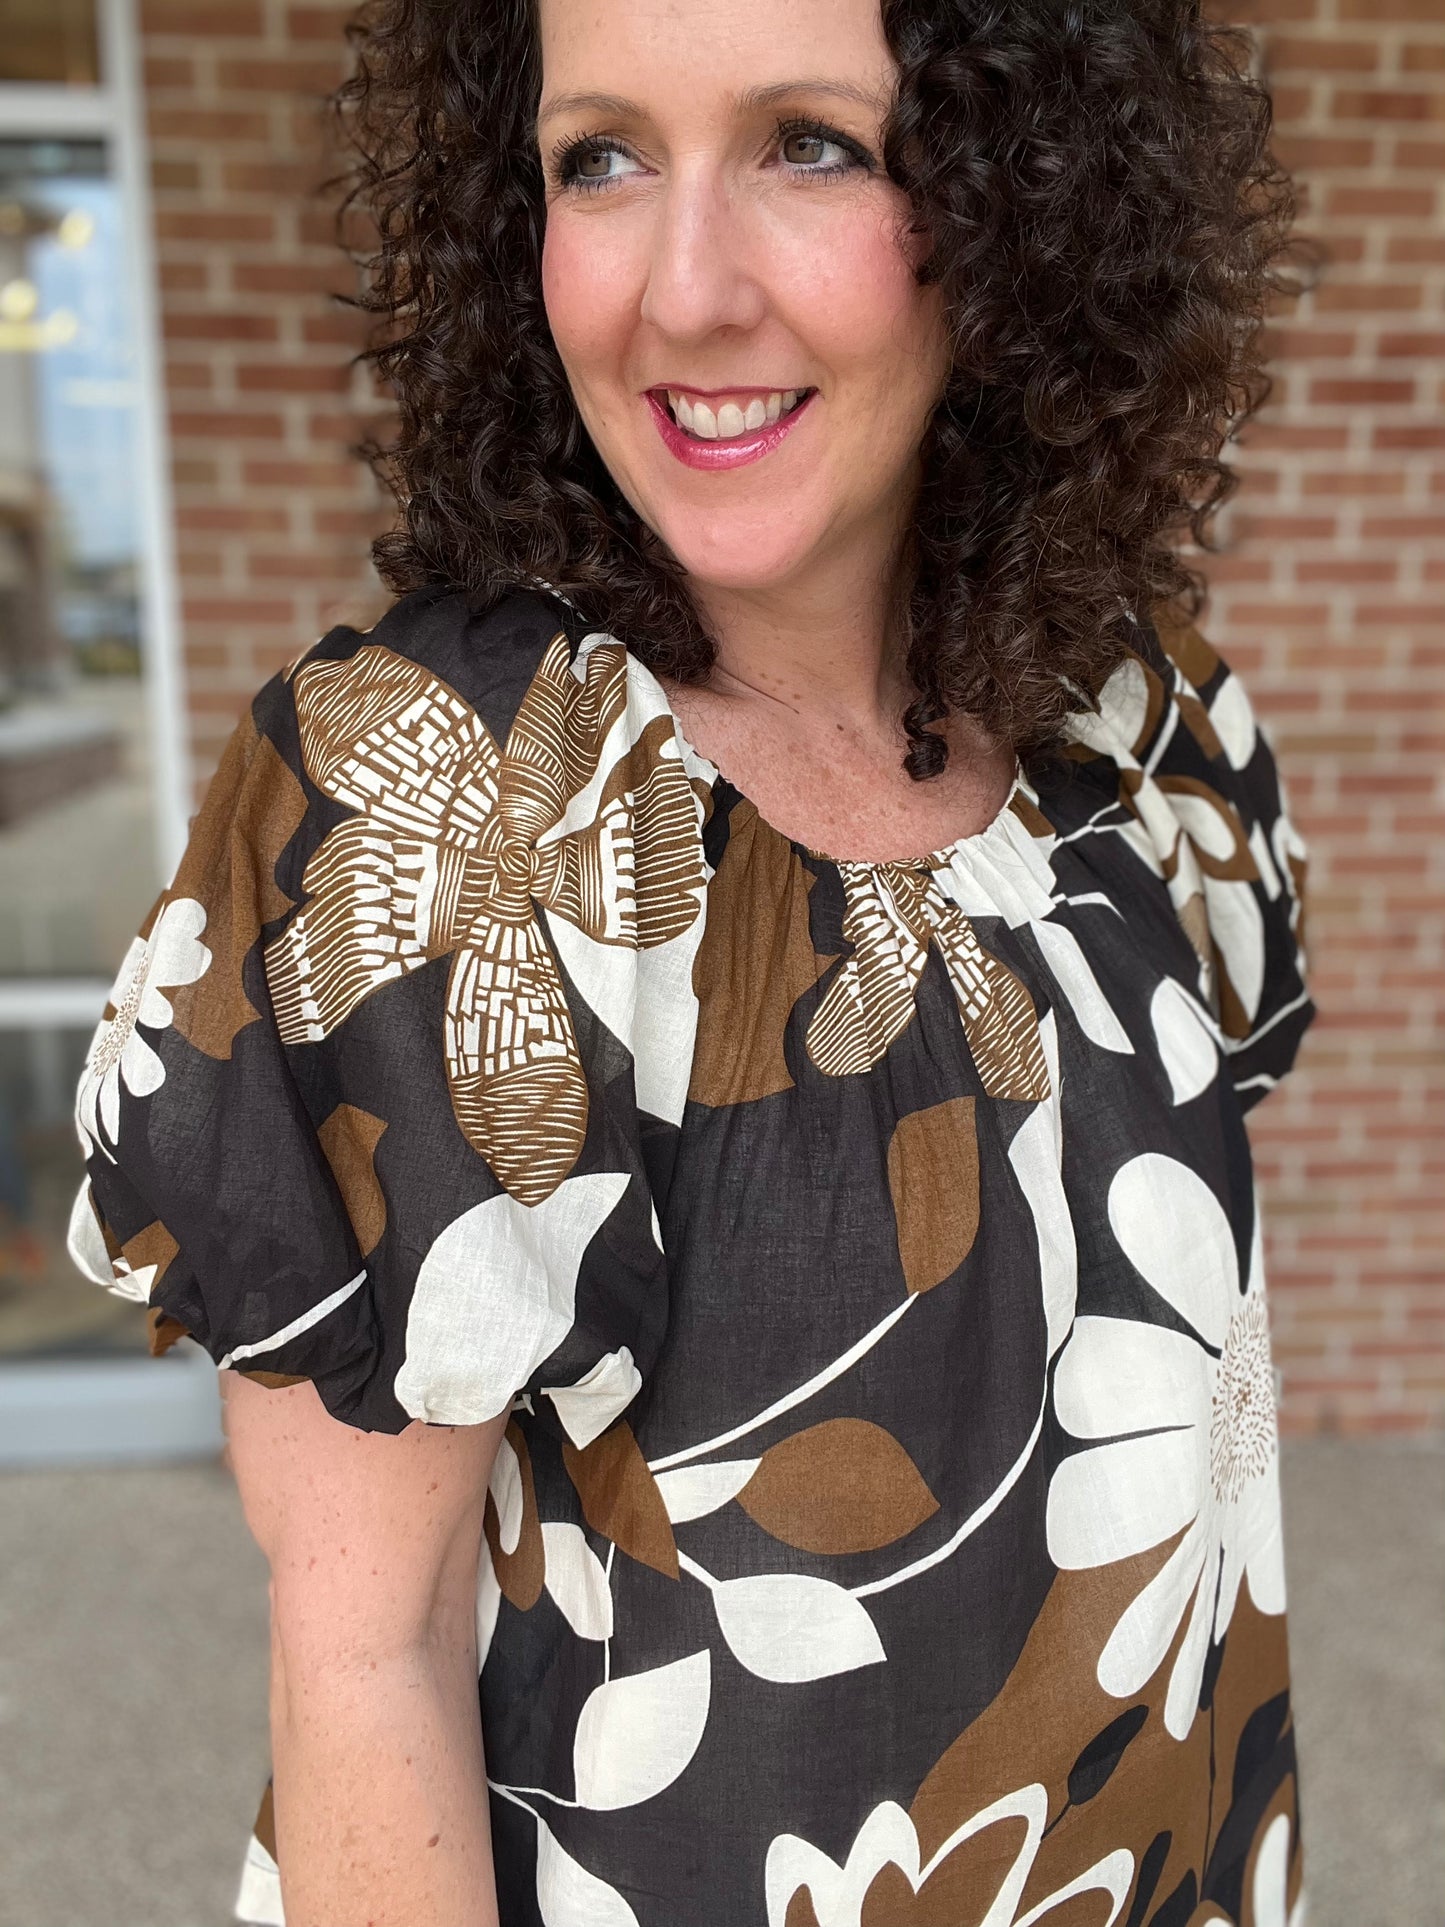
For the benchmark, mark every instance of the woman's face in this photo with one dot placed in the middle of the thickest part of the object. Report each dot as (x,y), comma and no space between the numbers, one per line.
(726,275)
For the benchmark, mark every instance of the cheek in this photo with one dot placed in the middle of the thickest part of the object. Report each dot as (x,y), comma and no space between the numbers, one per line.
(850,295)
(586,288)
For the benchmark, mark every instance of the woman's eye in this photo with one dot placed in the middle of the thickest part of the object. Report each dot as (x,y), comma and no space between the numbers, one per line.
(817,151)
(592,165)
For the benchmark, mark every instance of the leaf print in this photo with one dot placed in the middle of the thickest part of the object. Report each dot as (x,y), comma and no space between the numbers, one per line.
(1095,1766)
(589,1406)
(1269,1887)
(1072,972)
(755,961)
(789,1626)
(495,1296)
(569,1896)
(1213,826)
(1186,1047)
(577,1580)
(1034,1154)
(252,809)
(510,1524)
(620,1498)
(638,1732)
(933,1181)
(349,1138)
(693,1491)
(456,846)
(843,1486)
(892,914)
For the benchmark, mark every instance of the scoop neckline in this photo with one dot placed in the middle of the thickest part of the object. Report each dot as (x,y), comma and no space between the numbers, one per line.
(936,859)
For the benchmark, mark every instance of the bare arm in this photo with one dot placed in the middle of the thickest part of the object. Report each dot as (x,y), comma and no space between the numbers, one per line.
(373,1542)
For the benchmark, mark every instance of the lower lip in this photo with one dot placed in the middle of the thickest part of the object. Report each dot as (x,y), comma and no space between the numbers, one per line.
(736,451)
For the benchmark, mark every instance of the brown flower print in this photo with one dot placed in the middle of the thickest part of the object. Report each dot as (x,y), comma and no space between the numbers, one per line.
(453,847)
(893,913)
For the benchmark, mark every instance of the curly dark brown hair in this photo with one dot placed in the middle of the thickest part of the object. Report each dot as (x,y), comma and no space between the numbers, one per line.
(1106,221)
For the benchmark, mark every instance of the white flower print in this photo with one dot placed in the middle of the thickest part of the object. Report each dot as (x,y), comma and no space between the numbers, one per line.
(171,956)
(887,1838)
(1186,1431)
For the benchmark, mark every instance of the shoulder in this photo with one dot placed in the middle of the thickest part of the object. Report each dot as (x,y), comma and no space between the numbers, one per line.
(482,654)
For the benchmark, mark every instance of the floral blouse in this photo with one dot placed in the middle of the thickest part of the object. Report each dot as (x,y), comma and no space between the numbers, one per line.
(886,1531)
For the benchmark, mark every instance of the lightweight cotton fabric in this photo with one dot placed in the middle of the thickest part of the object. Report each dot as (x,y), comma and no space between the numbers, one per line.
(886,1532)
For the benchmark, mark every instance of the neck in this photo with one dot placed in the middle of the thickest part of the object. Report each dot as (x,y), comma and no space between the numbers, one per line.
(825,645)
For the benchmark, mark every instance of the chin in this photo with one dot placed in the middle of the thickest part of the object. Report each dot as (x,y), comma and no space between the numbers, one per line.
(740,555)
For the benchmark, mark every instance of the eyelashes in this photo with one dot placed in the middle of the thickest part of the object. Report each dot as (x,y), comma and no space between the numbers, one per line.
(572,151)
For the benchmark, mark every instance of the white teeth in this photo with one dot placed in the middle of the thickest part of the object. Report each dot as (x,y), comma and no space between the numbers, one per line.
(731,418)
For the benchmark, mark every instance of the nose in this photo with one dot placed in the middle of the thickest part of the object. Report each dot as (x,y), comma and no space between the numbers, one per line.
(701,275)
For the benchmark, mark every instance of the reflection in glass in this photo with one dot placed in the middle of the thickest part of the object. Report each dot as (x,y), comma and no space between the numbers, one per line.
(49,40)
(77,840)
(47,1309)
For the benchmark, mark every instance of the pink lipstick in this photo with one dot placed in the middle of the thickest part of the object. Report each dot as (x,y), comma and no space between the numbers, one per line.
(736,450)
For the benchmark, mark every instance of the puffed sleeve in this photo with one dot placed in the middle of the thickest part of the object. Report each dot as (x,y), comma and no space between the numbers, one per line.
(1203,805)
(374,1102)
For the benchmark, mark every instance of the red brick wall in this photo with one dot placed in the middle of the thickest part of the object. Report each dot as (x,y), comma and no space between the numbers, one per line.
(1330,601)
(1329,598)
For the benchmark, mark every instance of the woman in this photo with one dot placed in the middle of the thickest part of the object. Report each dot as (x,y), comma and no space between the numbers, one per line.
(698,1069)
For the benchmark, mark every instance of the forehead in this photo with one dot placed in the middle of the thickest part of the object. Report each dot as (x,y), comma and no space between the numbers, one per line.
(625,46)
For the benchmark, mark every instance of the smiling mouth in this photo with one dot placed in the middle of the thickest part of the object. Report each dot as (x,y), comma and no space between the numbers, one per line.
(728,421)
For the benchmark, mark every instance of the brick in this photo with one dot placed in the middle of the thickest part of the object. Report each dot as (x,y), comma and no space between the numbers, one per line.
(1413,203)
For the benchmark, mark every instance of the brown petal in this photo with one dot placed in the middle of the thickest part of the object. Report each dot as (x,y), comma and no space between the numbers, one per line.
(349,1138)
(1239,866)
(517,1083)
(620,1498)
(843,1486)
(933,1177)
(999,1018)
(152,1246)
(1195,659)
(520,1573)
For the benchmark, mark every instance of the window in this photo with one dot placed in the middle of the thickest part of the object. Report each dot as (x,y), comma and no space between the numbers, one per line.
(91,783)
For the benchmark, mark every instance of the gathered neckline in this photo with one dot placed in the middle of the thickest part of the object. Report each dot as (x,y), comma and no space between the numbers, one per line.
(936,859)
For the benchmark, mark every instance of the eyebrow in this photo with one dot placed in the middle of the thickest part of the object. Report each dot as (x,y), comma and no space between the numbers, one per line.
(617,107)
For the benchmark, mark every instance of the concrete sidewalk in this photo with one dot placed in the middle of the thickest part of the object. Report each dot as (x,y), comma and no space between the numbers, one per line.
(133,1690)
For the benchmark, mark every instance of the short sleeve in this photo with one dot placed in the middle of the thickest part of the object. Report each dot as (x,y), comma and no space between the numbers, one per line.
(364,1105)
(1203,804)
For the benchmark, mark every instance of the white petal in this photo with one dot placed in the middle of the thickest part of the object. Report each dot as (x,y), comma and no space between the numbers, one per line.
(886,1838)
(1186,1048)
(1233,721)
(569,1896)
(177,957)
(1262,1540)
(1237,926)
(85,1243)
(489,1601)
(587,1408)
(1118,1375)
(637,1733)
(1113,1875)
(1074,975)
(1172,1228)
(1206,827)
(789,1626)
(1034,1156)
(1270,1887)
(505,1486)
(142,1071)
(1181,1702)
(495,1296)
(692,1491)
(577,1580)
(1112,1501)
(1135,1649)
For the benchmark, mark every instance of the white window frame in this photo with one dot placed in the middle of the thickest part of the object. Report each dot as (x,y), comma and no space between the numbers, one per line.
(118,1409)
(114,112)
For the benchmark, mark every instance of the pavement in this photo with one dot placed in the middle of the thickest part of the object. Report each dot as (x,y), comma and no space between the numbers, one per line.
(133,1689)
